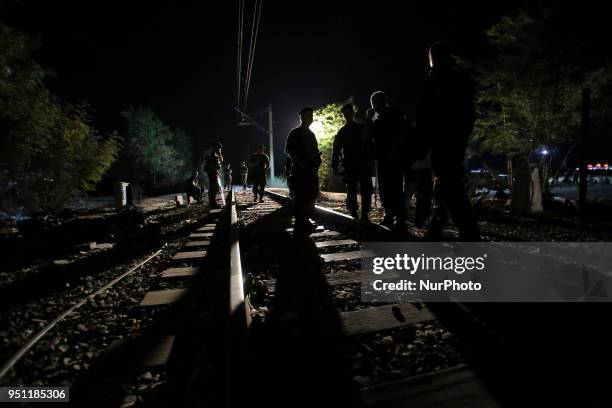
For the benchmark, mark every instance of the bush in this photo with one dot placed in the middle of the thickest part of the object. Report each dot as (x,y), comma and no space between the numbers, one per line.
(49,150)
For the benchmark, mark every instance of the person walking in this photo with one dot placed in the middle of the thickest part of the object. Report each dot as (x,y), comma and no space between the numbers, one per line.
(227,176)
(244,175)
(446,121)
(212,166)
(303,149)
(387,131)
(259,165)
(351,161)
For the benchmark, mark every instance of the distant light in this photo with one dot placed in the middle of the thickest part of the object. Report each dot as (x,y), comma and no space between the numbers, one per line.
(598,166)
(479,171)
(544,152)
(318,128)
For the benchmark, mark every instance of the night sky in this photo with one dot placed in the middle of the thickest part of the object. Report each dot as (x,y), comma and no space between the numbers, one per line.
(180,59)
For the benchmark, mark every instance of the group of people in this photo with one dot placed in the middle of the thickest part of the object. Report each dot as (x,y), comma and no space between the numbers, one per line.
(255,173)
(426,158)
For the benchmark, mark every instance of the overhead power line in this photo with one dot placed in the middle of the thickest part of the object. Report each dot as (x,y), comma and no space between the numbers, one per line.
(254,34)
(245,73)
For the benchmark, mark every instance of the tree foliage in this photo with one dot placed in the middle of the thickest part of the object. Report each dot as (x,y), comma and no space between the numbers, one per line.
(156,149)
(50,150)
(530,91)
(327,122)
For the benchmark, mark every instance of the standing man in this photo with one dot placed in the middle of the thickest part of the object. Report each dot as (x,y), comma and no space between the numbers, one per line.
(227,176)
(351,161)
(212,167)
(386,129)
(244,175)
(446,120)
(303,149)
(259,165)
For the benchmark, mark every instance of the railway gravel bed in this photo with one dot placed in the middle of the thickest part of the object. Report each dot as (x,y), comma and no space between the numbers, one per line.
(112,317)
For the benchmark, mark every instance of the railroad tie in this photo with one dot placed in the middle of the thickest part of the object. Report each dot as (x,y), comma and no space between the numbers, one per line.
(207,228)
(339,278)
(333,279)
(189,256)
(162,297)
(181,272)
(336,243)
(201,235)
(197,244)
(160,353)
(443,388)
(381,318)
(260,210)
(346,256)
(318,228)
(264,205)
(325,234)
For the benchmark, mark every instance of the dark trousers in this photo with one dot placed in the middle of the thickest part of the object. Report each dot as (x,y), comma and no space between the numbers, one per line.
(391,189)
(305,188)
(421,184)
(213,188)
(362,178)
(259,186)
(451,197)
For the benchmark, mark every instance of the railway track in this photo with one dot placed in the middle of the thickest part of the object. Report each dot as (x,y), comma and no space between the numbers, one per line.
(394,334)
(438,354)
(243,311)
(156,316)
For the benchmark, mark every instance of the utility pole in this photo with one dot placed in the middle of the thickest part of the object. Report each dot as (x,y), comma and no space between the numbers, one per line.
(246,120)
(271,139)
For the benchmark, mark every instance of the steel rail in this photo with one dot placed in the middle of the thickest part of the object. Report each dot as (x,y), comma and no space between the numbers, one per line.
(10,363)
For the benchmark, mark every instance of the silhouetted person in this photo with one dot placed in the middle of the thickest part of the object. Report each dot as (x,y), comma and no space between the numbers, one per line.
(194,189)
(351,161)
(212,167)
(386,131)
(244,175)
(446,120)
(303,149)
(227,176)
(259,164)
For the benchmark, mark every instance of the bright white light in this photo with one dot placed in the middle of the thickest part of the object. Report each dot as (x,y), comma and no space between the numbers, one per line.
(544,152)
(317,128)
